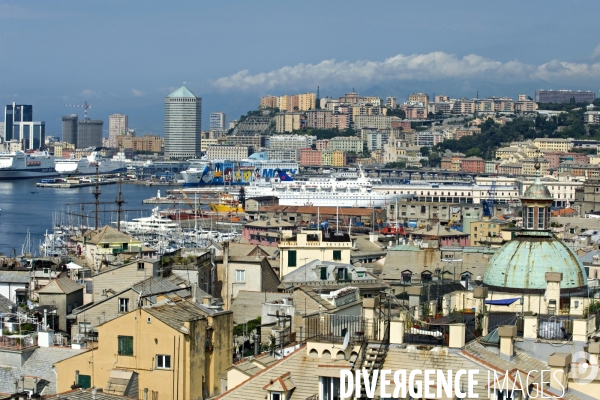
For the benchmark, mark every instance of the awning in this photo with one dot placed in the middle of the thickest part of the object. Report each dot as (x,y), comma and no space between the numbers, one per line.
(72,265)
(503,302)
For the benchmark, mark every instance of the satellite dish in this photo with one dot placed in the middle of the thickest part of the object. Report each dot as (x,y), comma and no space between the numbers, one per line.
(346,340)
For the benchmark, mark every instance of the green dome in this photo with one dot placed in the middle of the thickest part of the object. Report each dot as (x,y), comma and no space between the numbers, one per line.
(521,264)
(537,191)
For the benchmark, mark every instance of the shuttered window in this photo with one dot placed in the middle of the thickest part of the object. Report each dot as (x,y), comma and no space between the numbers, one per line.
(337,255)
(125,345)
(292,258)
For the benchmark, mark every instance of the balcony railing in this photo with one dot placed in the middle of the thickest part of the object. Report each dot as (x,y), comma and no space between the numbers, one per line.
(333,328)
(18,342)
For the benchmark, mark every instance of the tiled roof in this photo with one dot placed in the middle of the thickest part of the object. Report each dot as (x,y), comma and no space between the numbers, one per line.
(6,306)
(250,304)
(176,314)
(108,234)
(14,276)
(61,285)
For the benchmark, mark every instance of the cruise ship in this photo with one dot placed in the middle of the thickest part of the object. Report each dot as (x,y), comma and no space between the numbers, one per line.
(224,172)
(87,166)
(344,190)
(155,224)
(20,165)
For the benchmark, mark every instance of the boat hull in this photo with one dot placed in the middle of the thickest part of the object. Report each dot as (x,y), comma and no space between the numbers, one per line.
(13,174)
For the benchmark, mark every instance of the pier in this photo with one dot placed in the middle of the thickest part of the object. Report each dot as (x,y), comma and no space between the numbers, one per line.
(71,185)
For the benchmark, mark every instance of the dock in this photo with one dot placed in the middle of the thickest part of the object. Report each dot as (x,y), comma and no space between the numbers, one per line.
(71,185)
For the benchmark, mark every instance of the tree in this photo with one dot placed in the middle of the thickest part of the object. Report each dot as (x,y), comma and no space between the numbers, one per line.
(474,152)
(425,151)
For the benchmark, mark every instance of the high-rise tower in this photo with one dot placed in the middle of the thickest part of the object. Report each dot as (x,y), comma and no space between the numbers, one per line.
(15,113)
(89,133)
(117,125)
(69,129)
(183,121)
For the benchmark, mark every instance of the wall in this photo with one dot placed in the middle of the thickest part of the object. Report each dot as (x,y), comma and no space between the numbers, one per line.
(119,279)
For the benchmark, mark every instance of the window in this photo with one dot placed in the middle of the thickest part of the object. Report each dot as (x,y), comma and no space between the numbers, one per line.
(276,396)
(141,266)
(123,305)
(240,275)
(541,218)
(292,258)
(323,273)
(163,361)
(125,345)
(529,217)
(337,255)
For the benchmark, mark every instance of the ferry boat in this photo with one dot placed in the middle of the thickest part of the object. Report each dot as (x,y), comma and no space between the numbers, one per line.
(20,165)
(344,190)
(87,166)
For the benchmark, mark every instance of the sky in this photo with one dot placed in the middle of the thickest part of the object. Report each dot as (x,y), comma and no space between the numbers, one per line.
(126,56)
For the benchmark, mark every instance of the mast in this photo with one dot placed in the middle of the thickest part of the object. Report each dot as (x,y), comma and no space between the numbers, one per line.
(119,202)
(96,199)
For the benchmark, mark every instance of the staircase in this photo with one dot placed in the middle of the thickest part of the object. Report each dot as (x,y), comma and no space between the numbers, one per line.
(371,357)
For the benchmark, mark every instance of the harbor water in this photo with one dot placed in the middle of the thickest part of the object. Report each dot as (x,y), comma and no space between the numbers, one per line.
(23,207)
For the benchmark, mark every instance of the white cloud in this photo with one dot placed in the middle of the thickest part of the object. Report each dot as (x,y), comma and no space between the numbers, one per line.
(137,93)
(90,93)
(431,66)
(596,52)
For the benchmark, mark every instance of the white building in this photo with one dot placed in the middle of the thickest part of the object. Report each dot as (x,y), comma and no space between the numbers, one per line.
(217,121)
(183,122)
(291,142)
(227,152)
(118,124)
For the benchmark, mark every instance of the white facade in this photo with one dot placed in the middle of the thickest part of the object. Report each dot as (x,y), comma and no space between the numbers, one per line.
(217,121)
(117,125)
(291,142)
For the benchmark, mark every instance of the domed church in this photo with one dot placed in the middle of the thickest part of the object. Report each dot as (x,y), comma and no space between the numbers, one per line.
(535,262)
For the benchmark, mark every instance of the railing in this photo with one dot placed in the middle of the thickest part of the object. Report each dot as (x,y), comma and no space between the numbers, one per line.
(554,328)
(18,343)
(333,328)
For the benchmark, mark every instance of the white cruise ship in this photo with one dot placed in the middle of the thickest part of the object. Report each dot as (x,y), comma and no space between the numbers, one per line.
(87,166)
(347,190)
(199,172)
(20,165)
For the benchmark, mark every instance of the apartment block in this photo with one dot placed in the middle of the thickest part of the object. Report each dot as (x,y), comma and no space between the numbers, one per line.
(310,157)
(549,144)
(254,142)
(60,147)
(390,102)
(296,102)
(591,117)
(319,119)
(288,122)
(227,152)
(564,96)
(118,124)
(322,144)
(340,121)
(374,121)
(150,143)
(473,164)
(218,121)
(376,140)
(419,97)
(291,142)
(461,132)
(346,143)
(288,155)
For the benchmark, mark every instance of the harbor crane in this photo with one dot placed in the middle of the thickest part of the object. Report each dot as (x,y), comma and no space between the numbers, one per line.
(85,107)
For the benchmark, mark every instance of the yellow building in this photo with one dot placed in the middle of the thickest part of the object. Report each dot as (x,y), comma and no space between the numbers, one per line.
(549,144)
(287,122)
(338,159)
(60,146)
(306,101)
(488,232)
(150,143)
(176,350)
(529,166)
(310,245)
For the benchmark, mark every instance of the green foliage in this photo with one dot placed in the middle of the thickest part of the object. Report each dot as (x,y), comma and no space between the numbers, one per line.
(425,151)
(592,308)
(398,165)
(238,330)
(396,112)
(474,152)
(562,106)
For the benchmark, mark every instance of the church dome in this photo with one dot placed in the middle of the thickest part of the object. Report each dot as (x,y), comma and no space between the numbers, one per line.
(537,191)
(521,264)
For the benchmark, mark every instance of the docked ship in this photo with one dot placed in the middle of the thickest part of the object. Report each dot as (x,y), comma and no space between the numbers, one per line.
(227,172)
(87,165)
(227,203)
(20,165)
(344,190)
(155,224)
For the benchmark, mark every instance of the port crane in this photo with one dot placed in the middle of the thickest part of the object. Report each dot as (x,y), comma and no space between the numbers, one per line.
(488,205)
(85,107)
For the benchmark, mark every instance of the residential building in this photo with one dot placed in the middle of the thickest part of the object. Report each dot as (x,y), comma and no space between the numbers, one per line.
(390,102)
(463,106)
(367,109)
(376,140)
(63,295)
(510,169)
(69,129)
(296,102)
(146,143)
(338,158)
(374,121)
(15,113)
(319,119)
(550,144)
(118,125)
(489,232)
(267,232)
(227,152)
(462,132)
(473,164)
(89,133)
(415,111)
(591,117)
(421,98)
(311,245)
(288,122)
(218,121)
(322,144)
(524,105)
(310,157)
(564,96)
(254,142)
(346,143)
(290,142)
(276,154)
(269,102)
(340,121)
(252,272)
(183,124)
(428,138)
(175,350)
(60,147)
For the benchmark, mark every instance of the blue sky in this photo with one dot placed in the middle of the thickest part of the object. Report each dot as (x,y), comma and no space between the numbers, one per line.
(125,56)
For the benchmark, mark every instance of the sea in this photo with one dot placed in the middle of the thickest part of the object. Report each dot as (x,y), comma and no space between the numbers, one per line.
(28,211)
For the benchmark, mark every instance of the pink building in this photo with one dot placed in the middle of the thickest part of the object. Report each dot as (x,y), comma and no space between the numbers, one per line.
(473,164)
(266,232)
(309,157)
(405,125)
(322,144)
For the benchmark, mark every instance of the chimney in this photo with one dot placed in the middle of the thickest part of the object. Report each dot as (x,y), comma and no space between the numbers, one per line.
(507,335)
(552,295)
(94,392)
(373,237)
(594,352)
(206,300)
(559,364)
